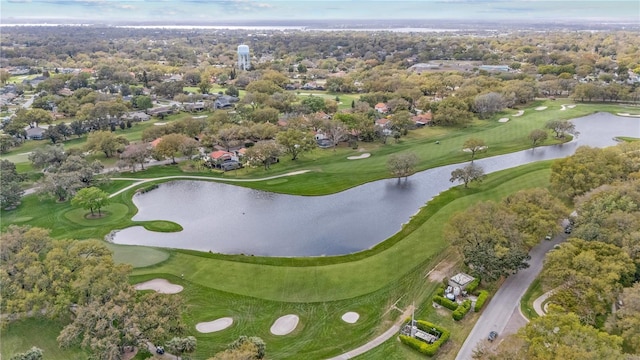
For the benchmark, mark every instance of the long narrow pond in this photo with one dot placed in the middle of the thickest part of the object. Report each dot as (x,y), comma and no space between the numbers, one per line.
(230,219)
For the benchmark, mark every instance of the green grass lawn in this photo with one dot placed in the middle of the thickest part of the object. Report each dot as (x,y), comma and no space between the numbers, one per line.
(526,303)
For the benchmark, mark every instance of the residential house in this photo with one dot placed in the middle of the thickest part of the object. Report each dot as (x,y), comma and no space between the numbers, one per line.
(382,108)
(35,133)
(422,119)
(225,102)
(136,116)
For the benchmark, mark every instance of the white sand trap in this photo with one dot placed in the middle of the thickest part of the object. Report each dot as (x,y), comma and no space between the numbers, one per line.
(350,317)
(519,113)
(159,124)
(215,325)
(563,107)
(480,149)
(571,106)
(199,117)
(503,120)
(627,114)
(361,156)
(540,108)
(285,324)
(162,286)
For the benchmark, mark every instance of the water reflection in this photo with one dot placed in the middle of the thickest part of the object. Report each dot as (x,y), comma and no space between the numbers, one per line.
(234,220)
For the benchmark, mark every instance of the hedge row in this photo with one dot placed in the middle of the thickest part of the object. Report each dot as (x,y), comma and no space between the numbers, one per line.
(440,291)
(473,286)
(482,298)
(451,305)
(146,189)
(423,347)
(462,310)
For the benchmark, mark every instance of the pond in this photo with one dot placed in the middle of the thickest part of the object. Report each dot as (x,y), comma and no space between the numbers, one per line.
(230,219)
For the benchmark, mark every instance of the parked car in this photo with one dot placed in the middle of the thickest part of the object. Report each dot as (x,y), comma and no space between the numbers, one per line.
(492,336)
(548,237)
(159,350)
(568,229)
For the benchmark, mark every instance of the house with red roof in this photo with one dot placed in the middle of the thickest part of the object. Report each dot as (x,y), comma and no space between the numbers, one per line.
(382,108)
(422,119)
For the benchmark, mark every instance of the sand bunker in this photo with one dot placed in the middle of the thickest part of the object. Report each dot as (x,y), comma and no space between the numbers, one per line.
(627,114)
(503,120)
(519,113)
(285,325)
(350,317)
(540,108)
(199,117)
(361,156)
(215,325)
(159,285)
(565,107)
(159,124)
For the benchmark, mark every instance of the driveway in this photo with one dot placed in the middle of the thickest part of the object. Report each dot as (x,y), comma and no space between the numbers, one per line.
(506,302)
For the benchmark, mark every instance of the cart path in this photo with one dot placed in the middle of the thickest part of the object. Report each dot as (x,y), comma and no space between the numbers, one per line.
(194,177)
(393,330)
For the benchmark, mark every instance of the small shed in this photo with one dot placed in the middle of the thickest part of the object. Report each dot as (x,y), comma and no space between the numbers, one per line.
(460,280)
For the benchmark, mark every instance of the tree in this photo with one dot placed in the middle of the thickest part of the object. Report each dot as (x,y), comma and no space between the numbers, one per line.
(402,165)
(263,153)
(170,145)
(50,156)
(10,190)
(560,335)
(538,213)
(488,104)
(561,127)
(336,132)
(204,85)
(136,154)
(314,103)
(452,112)
(589,168)
(72,175)
(537,136)
(142,102)
(587,277)
(474,145)
(468,174)
(178,346)
(105,141)
(32,354)
(489,240)
(244,348)
(296,142)
(626,321)
(4,76)
(91,198)
(232,91)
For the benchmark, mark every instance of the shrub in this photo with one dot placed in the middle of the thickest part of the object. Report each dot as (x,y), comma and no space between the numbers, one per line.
(462,310)
(482,298)
(423,347)
(473,286)
(451,305)
(146,189)
(440,291)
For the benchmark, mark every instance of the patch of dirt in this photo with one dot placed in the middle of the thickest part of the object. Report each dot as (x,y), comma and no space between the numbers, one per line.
(441,270)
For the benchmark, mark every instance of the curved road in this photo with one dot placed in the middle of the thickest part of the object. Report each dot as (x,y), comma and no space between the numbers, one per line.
(506,300)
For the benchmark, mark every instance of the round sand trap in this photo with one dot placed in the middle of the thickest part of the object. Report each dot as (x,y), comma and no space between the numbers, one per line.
(284,325)
(215,325)
(361,156)
(159,285)
(519,113)
(503,120)
(350,317)
(159,124)
(540,108)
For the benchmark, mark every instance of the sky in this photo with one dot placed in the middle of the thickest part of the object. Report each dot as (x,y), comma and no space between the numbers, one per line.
(223,11)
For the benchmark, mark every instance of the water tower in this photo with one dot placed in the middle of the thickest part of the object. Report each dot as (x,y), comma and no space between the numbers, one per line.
(243,57)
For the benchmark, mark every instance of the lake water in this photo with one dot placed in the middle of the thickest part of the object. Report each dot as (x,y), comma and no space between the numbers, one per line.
(231,219)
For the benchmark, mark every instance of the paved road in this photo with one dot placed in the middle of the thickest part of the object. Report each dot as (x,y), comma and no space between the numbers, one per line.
(507,300)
